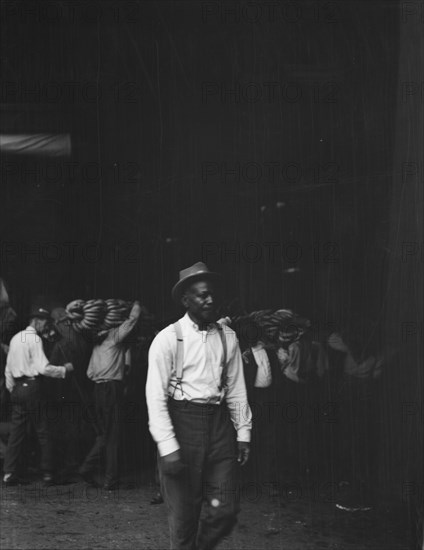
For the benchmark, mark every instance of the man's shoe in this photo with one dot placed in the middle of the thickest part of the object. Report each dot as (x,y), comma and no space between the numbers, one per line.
(157,499)
(10,480)
(109,486)
(88,478)
(47,478)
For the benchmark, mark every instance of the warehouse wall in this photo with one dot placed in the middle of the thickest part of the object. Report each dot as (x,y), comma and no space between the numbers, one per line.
(403,412)
(174,135)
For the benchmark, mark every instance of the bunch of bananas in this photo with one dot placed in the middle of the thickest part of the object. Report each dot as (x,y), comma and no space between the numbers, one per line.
(116,312)
(95,315)
(289,326)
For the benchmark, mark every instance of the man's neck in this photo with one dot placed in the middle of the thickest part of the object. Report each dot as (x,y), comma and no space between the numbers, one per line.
(33,325)
(201,324)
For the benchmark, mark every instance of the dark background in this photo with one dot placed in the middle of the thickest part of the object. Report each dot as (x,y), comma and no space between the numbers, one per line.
(141,88)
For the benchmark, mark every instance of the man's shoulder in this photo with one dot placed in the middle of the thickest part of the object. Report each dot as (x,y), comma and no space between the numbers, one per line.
(23,337)
(229,333)
(166,335)
(227,329)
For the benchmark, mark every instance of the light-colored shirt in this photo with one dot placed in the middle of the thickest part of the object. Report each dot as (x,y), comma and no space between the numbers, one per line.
(263,376)
(290,361)
(26,358)
(107,360)
(201,380)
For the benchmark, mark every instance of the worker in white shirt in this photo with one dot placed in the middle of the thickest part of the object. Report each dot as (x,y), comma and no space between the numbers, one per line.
(26,365)
(198,415)
(262,374)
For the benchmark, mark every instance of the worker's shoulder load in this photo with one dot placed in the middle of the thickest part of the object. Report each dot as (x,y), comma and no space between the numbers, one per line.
(93,316)
(289,335)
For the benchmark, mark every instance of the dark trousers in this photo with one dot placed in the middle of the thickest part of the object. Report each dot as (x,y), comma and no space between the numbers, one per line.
(108,398)
(65,427)
(208,447)
(357,434)
(266,434)
(28,409)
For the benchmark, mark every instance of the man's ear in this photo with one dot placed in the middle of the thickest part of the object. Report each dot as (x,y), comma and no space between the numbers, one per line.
(184,300)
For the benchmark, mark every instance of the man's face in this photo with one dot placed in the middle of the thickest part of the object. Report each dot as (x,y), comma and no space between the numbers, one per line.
(199,300)
(41,326)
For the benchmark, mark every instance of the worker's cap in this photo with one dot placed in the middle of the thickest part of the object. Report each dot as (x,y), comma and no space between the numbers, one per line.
(40,313)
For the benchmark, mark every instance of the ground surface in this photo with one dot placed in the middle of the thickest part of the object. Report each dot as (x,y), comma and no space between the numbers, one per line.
(75,516)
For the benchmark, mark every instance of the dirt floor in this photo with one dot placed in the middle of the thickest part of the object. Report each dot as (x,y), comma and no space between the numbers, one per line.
(75,516)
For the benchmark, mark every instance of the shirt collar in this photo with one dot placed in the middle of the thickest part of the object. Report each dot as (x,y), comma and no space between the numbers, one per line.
(188,322)
(258,347)
(30,329)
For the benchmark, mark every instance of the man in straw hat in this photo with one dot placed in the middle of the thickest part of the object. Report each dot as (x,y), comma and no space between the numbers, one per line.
(198,415)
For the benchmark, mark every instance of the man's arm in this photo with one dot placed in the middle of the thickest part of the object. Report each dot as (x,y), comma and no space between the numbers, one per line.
(119,333)
(236,398)
(10,383)
(42,364)
(158,375)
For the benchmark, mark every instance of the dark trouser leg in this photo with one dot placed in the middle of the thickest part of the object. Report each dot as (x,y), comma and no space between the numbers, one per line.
(42,430)
(220,481)
(290,449)
(207,440)
(265,436)
(26,408)
(93,458)
(183,493)
(95,454)
(16,438)
(221,493)
(112,419)
(70,437)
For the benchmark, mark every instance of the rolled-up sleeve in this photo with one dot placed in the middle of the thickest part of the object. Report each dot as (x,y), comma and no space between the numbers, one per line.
(119,333)
(158,376)
(42,364)
(236,395)
(10,383)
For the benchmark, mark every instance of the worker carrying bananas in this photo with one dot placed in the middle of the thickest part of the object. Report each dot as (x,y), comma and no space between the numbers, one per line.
(106,370)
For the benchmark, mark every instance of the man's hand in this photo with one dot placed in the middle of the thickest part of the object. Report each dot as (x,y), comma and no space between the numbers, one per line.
(243,452)
(69,367)
(5,348)
(172,464)
(246,355)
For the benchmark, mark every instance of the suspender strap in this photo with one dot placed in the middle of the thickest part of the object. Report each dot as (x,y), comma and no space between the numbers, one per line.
(221,332)
(179,358)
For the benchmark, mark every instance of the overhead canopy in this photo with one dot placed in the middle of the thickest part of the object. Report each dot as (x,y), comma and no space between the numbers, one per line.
(47,145)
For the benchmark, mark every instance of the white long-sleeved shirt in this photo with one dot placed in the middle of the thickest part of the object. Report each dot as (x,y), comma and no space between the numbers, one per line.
(201,380)
(26,358)
(263,376)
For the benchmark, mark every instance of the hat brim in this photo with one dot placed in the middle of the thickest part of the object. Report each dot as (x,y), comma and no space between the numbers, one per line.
(178,288)
(41,316)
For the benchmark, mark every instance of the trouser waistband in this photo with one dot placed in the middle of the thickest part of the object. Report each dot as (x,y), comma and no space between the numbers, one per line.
(26,379)
(194,408)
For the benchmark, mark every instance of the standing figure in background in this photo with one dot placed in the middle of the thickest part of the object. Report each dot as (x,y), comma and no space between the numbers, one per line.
(8,327)
(106,369)
(197,403)
(262,374)
(69,397)
(26,365)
